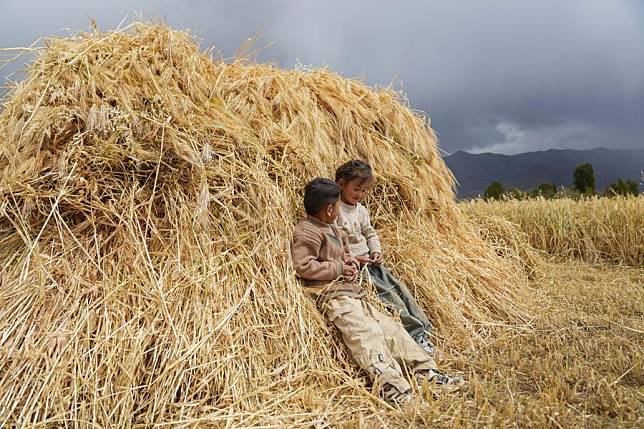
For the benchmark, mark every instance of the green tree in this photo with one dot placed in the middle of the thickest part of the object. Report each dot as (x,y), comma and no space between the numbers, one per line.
(622,187)
(515,194)
(494,191)
(570,193)
(584,178)
(545,190)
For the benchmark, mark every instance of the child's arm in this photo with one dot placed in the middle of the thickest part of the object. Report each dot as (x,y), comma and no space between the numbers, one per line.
(369,233)
(348,258)
(305,250)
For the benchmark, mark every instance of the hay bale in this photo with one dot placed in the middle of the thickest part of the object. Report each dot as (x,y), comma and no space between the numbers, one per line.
(147,198)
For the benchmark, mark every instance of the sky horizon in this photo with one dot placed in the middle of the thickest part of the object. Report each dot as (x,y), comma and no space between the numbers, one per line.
(500,76)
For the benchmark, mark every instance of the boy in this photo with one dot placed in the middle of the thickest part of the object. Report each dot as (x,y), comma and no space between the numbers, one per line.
(355,178)
(378,344)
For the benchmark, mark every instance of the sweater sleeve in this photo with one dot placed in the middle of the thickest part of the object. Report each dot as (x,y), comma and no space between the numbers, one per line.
(345,244)
(305,250)
(369,233)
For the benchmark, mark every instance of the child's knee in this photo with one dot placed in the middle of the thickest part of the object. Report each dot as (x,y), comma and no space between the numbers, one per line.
(342,308)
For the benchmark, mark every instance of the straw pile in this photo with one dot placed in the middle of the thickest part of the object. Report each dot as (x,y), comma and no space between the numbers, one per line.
(147,196)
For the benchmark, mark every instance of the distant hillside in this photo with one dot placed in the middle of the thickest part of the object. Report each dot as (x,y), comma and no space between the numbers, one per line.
(475,172)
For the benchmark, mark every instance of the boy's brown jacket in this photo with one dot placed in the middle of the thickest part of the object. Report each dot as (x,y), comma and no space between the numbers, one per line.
(319,251)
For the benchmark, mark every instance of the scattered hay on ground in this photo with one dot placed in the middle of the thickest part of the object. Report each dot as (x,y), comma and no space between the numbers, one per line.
(581,366)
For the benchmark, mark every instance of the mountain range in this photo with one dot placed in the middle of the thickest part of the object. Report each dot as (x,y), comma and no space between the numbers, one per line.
(474,172)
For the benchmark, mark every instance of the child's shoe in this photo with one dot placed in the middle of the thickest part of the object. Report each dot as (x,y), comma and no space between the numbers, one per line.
(395,396)
(422,341)
(439,382)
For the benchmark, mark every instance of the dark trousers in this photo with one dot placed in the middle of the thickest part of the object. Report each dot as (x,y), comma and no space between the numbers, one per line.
(393,292)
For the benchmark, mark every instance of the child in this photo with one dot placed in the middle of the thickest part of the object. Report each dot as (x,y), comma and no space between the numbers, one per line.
(378,344)
(355,178)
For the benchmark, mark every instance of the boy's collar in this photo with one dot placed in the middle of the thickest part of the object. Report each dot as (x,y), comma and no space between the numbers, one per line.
(347,205)
(316,220)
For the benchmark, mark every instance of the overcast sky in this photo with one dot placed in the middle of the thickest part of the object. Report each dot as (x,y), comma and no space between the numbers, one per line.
(495,76)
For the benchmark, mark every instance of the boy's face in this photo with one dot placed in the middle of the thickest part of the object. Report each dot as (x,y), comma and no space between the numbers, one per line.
(354,190)
(329,213)
(333,210)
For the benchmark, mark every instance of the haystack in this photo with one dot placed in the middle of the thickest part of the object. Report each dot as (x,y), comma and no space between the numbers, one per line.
(147,196)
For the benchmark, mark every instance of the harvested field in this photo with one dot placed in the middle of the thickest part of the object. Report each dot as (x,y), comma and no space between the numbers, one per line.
(147,197)
(582,364)
(597,229)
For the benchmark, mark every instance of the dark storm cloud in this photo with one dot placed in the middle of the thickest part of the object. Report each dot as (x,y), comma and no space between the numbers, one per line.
(504,76)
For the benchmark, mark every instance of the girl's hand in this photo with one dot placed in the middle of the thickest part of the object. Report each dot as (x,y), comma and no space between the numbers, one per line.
(377,258)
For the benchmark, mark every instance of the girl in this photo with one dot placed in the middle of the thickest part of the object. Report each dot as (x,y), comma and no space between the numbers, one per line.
(355,177)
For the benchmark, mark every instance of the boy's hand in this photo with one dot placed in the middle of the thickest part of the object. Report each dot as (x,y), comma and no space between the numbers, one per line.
(364,260)
(353,261)
(350,271)
(377,258)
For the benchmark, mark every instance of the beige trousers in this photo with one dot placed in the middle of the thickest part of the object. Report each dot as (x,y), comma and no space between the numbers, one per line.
(377,343)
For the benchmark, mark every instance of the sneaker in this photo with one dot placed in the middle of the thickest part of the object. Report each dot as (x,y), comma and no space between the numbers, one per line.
(440,382)
(395,396)
(424,343)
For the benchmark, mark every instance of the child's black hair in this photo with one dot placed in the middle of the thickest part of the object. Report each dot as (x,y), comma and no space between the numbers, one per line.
(318,193)
(354,169)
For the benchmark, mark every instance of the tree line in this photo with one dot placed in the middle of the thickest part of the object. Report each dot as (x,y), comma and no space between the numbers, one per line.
(583,186)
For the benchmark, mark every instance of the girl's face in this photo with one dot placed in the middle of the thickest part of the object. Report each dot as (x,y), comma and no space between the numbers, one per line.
(354,190)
